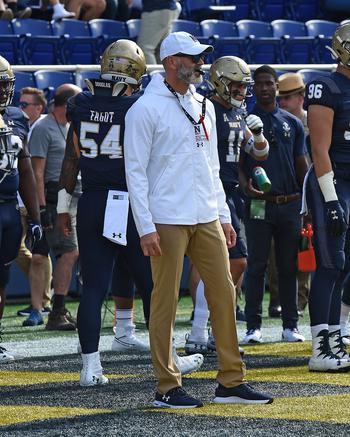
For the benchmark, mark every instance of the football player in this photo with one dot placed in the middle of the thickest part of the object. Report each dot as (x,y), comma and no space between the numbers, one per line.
(231,82)
(16,174)
(95,147)
(328,197)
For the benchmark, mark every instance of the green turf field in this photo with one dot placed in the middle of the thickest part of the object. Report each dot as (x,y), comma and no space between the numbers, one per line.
(40,394)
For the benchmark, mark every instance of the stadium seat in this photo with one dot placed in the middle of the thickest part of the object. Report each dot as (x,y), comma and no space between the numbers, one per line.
(322,31)
(189,26)
(321,28)
(108,31)
(262,46)
(268,10)
(308,74)
(38,44)
(220,28)
(49,80)
(80,77)
(296,46)
(9,43)
(134,28)
(78,45)
(23,79)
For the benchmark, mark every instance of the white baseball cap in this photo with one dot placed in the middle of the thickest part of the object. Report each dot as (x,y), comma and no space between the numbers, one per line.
(182,42)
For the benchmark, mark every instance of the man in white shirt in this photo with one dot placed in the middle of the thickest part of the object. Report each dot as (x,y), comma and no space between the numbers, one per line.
(179,207)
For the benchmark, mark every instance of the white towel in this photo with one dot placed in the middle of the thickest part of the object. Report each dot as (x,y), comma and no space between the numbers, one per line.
(304,208)
(116,216)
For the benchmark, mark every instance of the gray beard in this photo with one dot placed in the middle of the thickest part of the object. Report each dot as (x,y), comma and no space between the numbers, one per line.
(188,76)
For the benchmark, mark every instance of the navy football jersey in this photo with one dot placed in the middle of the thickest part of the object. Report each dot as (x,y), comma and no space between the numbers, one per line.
(231,128)
(98,122)
(10,148)
(334,92)
(286,137)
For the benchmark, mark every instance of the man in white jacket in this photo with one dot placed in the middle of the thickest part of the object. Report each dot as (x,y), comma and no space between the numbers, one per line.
(179,207)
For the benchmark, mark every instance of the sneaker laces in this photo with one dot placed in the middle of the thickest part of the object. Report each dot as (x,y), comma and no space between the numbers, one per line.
(178,390)
(325,348)
(338,344)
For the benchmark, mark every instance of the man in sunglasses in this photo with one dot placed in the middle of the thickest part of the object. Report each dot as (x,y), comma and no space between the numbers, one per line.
(179,206)
(32,101)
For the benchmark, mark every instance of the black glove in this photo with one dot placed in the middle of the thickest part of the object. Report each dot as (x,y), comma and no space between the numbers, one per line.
(46,218)
(336,221)
(34,234)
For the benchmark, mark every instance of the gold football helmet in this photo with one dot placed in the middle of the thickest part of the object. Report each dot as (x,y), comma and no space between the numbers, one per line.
(341,44)
(229,69)
(123,61)
(7,83)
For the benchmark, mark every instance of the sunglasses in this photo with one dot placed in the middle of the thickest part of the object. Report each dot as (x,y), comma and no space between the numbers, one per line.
(23,105)
(194,58)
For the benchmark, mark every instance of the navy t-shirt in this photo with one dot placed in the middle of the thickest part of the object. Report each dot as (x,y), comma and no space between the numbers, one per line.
(98,122)
(10,149)
(334,92)
(230,127)
(285,134)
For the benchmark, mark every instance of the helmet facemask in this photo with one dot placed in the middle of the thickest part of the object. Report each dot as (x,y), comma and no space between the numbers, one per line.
(225,71)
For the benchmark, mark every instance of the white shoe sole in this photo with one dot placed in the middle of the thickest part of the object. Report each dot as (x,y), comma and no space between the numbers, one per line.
(316,367)
(237,400)
(159,404)
(121,346)
(101,381)
(7,360)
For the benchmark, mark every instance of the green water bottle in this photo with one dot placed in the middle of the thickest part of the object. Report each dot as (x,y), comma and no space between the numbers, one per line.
(261,179)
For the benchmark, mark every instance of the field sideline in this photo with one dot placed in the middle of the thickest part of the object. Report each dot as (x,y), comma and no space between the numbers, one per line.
(40,394)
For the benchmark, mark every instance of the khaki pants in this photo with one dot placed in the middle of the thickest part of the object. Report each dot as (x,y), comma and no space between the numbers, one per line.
(24,259)
(206,247)
(155,26)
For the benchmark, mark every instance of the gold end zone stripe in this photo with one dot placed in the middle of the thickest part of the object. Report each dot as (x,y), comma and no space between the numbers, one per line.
(299,374)
(15,378)
(280,349)
(328,409)
(12,414)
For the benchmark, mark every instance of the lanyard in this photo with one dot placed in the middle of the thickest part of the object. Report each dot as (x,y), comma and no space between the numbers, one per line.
(190,118)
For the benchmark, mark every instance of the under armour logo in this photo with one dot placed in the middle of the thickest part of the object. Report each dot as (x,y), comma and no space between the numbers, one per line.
(95,379)
(166,398)
(334,214)
(114,235)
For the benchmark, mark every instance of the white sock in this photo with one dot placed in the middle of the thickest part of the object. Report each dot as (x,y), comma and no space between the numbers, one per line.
(333,328)
(344,318)
(317,328)
(124,322)
(201,316)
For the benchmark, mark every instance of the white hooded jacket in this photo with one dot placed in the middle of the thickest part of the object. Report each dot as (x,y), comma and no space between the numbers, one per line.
(172,177)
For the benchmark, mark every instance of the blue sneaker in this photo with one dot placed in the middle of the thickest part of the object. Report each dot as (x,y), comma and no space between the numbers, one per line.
(35,318)
(241,394)
(176,398)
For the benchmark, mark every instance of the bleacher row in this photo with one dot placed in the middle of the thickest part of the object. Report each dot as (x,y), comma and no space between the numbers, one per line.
(265,10)
(66,42)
